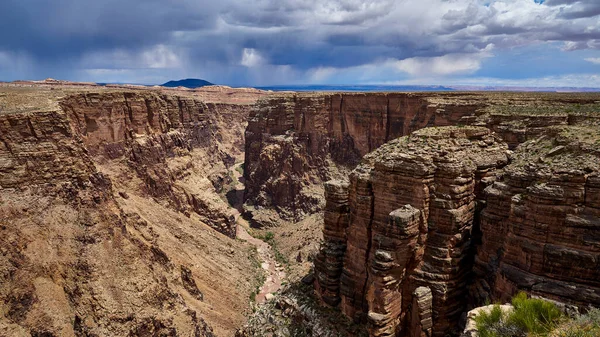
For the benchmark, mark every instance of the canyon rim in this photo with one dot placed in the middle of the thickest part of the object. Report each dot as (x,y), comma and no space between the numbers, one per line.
(126,210)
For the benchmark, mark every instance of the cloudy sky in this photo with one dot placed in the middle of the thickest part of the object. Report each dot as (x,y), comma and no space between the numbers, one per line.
(277,42)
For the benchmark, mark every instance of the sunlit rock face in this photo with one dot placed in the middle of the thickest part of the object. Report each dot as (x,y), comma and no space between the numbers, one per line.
(296,142)
(173,143)
(108,214)
(541,226)
(450,216)
(407,223)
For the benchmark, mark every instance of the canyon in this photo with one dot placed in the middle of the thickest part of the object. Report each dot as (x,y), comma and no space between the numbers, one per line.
(296,142)
(128,210)
(483,195)
(111,211)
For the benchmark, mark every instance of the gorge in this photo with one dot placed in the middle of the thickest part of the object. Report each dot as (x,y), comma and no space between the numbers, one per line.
(443,219)
(119,207)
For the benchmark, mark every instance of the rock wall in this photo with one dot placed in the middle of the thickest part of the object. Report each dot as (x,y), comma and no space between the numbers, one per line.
(164,139)
(105,205)
(453,211)
(295,143)
(40,148)
(407,223)
(541,226)
(68,261)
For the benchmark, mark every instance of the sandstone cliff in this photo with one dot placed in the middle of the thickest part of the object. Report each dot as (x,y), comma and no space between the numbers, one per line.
(107,199)
(403,222)
(541,224)
(172,143)
(296,142)
(445,219)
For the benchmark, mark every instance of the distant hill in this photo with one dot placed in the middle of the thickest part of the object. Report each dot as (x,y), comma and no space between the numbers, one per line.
(188,83)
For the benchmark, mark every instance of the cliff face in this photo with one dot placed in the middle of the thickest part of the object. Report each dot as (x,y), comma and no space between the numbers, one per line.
(105,203)
(173,144)
(432,224)
(294,143)
(404,221)
(541,226)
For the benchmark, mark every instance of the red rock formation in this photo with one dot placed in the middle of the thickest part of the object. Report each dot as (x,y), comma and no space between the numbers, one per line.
(39,148)
(415,219)
(411,212)
(421,319)
(294,143)
(540,229)
(330,261)
(94,239)
(69,265)
(151,130)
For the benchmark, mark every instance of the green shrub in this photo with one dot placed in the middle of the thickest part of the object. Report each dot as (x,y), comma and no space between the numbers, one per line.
(269,236)
(530,317)
(535,316)
(492,323)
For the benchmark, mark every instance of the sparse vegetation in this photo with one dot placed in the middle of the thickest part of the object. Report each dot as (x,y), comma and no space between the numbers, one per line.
(269,238)
(586,325)
(240,168)
(260,277)
(534,317)
(297,312)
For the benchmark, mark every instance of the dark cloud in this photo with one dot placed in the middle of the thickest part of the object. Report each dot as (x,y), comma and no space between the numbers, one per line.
(279,37)
(55,29)
(581,10)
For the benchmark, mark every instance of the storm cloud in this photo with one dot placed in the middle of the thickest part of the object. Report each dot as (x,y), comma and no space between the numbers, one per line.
(282,41)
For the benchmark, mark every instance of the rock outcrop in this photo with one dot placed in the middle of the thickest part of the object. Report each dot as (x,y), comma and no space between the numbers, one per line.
(541,226)
(453,213)
(404,234)
(296,142)
(67,265)
(163,138)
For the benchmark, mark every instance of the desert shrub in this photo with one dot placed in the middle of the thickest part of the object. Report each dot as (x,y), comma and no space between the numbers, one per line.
(530,317)
(587,325)
(494,324)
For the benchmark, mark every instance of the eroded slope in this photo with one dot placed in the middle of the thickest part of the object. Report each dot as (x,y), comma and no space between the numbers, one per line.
(107,201)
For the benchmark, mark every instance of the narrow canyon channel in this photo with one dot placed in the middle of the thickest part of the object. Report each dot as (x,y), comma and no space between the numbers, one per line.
(274,272)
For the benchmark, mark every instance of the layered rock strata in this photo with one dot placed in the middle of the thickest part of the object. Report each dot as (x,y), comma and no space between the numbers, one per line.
(165,139)
(408,228)
(107,200)
(294,143)
(69,263)
(541,226)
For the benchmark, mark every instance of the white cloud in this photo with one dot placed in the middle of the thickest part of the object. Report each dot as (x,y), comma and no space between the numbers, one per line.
(320,74)
(160,56)
(251,58)
(156,57)
(236,41)
(595,60)
(567,80)
(442,65)
(446,65)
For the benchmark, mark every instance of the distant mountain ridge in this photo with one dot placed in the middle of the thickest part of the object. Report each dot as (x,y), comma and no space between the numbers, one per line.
(191,83)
